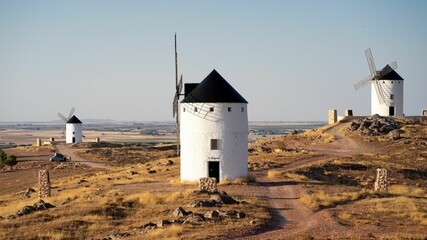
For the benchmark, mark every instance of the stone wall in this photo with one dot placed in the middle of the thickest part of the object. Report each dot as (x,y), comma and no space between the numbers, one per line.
(207,184)
(44,182)
(381,180)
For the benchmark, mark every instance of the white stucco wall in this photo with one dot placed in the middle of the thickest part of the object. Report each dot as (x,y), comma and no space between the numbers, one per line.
(198,128)
(73,130)
(394,87)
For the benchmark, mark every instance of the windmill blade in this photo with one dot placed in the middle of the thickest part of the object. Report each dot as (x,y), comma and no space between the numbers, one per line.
(363,82)
(371,62)
(180,86)
(175,105)
(62,117)
(393,65)
(71,113)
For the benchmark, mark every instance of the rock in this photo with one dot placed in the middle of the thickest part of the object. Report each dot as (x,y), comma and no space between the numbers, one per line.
(169,162)
(149,225)
(225,199)
(28,192)
(163,223)
(41,205)
(131,173)
(25,210)
(180,212)
(394,134)
(212,214)
(203,203)
(241,215)
(253,222)
(81,181)
(152,171)
(194,218)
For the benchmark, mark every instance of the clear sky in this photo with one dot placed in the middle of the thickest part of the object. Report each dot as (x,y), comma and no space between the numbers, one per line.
(292,60)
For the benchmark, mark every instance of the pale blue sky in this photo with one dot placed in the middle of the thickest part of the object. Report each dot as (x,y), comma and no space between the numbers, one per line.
(292,60)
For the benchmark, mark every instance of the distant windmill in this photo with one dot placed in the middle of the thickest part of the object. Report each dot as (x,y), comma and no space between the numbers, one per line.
(178,89)
(386,88)
(73,127)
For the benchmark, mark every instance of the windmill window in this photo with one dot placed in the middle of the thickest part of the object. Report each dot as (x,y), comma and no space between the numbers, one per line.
(383,81)
(183,109)
(214,144)
(243,109)
(391,96)
(229,109)
(211,109)
(74,133)
(195,109)
(391,82)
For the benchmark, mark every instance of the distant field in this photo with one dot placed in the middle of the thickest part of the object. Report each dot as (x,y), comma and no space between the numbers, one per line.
(24,134)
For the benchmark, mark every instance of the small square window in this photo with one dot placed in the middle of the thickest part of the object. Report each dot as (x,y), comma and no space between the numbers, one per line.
(195,109)
(229,109)
(214,144)
(391,96)
(183,109)
(211,109)
(243,109)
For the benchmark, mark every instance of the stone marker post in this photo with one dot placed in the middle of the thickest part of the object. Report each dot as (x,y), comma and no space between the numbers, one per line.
(381,180)
(38,142)
(207,184)
(44,182)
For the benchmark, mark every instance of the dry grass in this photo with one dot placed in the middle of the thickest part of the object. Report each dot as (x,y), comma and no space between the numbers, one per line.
(324,200)
(275,174)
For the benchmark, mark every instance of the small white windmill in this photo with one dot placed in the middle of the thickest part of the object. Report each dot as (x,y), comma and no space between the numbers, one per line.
(386,88)
(73,127)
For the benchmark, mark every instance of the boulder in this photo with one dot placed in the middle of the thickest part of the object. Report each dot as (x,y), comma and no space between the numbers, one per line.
(203,203)
(180,212)
(41,205)
(194,218)
(28,192)
(169,162)
(394,134)
(25,210)
(163,223)
(225,199)
(212,214)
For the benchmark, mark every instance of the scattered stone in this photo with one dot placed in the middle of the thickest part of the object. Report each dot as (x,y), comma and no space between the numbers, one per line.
(131,173)
(180,212)
(163,223)
(241,215)
(169,162)
(152,171)
(394,134)
(41,205)
(27,193)
(203,203)
(81,181)
(212,214)
(25,210)
(253,222)
(149,225)
(194,218)
(223,198)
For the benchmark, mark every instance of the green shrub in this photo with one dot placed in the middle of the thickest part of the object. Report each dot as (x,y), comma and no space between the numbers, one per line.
(10,160)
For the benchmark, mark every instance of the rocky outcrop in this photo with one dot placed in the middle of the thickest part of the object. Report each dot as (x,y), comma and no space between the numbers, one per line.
(374,125)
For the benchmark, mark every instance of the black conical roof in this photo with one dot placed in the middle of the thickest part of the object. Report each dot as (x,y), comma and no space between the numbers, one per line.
(74,119)
(387,73)
(213,89)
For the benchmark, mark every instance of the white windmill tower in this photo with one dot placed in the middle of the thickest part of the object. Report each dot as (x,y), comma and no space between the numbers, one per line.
(386,88)
(214,131)
(73,127)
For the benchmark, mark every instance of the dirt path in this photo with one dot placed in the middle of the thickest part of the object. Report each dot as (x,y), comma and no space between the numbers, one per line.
(289,216)
(69,151)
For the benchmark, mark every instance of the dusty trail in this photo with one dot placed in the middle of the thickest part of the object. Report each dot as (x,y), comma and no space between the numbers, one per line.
(69,151)
(290,217)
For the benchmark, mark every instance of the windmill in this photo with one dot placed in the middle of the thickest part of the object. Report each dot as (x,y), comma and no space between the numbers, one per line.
(178,89)
(386,88)
(73,127)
